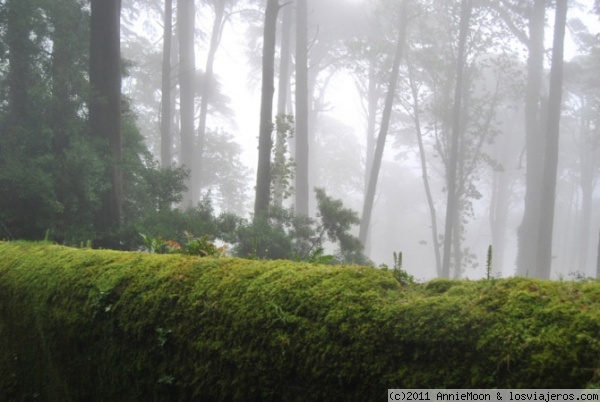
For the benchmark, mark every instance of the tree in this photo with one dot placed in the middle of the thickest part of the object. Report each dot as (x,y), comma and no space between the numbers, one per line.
(28,201)
(265,142)
(544,249)
(385,122)
(207,91)
(452,200)
(165,115)
(424,171)
(597,10)
(105,109)
(186,14)
(529,229)
(302,152)
(282,121)
(75,163)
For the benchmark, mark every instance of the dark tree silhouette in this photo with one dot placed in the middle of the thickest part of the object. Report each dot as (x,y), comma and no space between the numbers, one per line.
(544,249)
(265,142)
(105,109)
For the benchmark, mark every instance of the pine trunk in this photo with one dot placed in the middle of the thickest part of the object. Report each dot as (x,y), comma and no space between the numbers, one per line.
(207,92)
(105,110)
(544,251)
(282,102)
(452,168)
(187,71)
(424,173)
(165,115)
(302,152)
(385,123)
(265,142)
(529,229)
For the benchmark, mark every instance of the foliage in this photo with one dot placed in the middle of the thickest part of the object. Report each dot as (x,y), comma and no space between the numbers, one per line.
(179,328)
(202,246)
(175,225)
(286,235)
(399,273)
(224,174)
(51,172)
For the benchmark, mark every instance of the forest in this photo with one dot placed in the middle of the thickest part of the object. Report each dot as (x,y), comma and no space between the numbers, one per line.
(460,138)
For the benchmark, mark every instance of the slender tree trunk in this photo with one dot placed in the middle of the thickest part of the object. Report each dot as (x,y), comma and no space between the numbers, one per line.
(586,183)
(185,25)
(424,173)
(20,50)
(529,229)
(265,142)
(302,152)
(498,216)
(284,60)
(165,116)
(452,203)
(64,19)
(598,259)
(175,114)
(207,92)
(282,102)
(105,109)
(385,123)
(373,101)
(544,251)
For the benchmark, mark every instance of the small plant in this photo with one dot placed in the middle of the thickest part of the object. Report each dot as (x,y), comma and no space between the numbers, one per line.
(202,246)
(488,266)
(401,275)
(155,244)
(163,336)
(319,257)
(398,260)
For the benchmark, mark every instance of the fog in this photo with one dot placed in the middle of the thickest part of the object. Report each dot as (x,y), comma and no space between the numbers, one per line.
(351,43)
(462,134)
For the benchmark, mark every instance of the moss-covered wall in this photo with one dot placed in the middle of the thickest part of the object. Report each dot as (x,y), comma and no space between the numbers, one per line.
(87,325)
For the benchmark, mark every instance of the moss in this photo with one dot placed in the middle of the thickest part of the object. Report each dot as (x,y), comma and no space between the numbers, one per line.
(103,325)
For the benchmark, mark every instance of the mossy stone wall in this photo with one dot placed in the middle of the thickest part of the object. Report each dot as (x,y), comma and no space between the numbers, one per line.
(89,325)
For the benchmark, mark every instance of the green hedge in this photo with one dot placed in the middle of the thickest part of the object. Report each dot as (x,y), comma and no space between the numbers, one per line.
(88,325)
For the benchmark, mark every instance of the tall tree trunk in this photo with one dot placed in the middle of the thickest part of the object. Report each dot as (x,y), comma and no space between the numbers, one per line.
(20,51)
(529,229)
(424,173)
(452,203)
(265,142)
(302,152)
(165,115)
(586,183)
(185,23)
(282,98)
(105,109)
(497,218)
(64,19)
(372,102)
(64,16)
(544,251)
(598,259)
(207,91)
(385,123)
